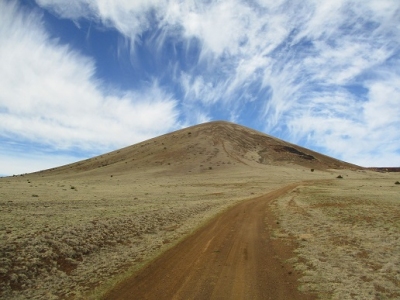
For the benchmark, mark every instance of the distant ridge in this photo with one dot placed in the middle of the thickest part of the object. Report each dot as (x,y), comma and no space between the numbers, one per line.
(389,169)
(199,148)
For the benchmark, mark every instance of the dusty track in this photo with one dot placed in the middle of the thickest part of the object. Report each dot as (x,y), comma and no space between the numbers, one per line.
(232,257)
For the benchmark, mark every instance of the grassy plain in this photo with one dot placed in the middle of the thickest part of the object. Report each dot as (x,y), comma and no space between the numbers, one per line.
(348,232)
(63,237)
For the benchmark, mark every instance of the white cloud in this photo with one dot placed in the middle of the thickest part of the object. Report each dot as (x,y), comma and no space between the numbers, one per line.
(221,26)
(125,15)
(383,110)
(364,133)
(303,53)
(49,93)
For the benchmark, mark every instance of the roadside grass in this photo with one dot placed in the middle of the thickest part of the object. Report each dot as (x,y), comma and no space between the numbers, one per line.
(53,248)
(349,237)
(76,245)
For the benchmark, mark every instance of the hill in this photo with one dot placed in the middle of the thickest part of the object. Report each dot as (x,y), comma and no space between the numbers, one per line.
(198,148)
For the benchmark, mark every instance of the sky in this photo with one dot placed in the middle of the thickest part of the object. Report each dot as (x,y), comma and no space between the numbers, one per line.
(84,77)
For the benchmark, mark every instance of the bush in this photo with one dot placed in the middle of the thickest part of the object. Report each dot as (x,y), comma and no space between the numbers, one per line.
(340,177)
(312,170)
(397,182)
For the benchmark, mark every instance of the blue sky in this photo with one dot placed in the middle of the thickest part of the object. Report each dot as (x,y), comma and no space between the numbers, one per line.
(80,78)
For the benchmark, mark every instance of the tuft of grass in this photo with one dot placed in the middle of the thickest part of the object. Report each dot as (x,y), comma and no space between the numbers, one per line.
(340,177)
(34,195)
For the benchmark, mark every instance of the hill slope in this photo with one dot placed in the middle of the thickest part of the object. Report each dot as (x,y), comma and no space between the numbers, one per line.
(198,148)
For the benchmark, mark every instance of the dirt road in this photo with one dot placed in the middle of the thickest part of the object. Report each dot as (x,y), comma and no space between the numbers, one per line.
(232,257)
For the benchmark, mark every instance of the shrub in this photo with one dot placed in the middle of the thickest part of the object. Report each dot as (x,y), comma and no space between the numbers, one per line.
(312,170)
(397,182)
(340,177)
(34,195)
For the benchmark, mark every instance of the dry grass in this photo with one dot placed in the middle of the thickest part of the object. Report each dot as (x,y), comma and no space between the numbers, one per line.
(76,242)
(349,236)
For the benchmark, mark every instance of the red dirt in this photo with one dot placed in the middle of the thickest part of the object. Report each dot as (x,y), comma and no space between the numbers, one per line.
(232,257)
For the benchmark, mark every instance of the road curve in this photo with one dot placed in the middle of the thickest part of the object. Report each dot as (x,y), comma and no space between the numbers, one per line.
(232,257)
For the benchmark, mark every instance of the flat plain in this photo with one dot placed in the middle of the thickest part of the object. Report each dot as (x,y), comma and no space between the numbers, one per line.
(80,231)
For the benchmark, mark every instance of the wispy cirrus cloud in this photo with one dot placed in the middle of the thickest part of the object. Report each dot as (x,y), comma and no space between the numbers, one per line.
(322,74)
(49,94)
